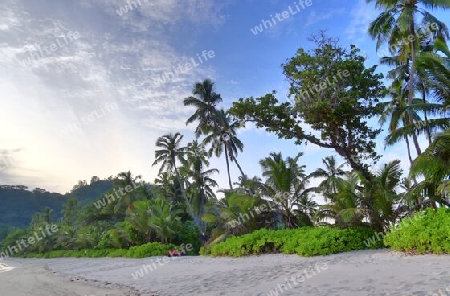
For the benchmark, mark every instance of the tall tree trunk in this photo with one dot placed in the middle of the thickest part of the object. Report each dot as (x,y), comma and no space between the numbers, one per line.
(239,167)
(412,71)
(202,210)
(228,167)
(408,149)
(196,218)
(424,98)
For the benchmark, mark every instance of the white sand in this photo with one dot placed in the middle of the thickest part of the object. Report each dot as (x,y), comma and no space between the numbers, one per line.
(357,273)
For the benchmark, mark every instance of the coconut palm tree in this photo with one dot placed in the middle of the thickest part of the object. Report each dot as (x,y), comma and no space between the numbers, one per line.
(394,110)
(432,78)
(236,214)
(123,180)
(164,219)
(138,218)
(331,174)
(398,26)
(204,100)
(167,156)
(434,166)
(346,206)
(386,208)
(285,184)
(199,181)
(224,140)
(358,199)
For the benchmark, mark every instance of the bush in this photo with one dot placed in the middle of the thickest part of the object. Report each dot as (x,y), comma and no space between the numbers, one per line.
(429,233)
(142,251)
(305,241)
(189,234)
(148,250)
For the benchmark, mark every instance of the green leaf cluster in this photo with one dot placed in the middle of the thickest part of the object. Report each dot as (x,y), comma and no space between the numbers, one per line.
(428,234)
(305,241)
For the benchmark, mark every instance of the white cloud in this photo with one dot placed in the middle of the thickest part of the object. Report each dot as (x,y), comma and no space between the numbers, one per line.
(362,16)
(314,18)
(111,62)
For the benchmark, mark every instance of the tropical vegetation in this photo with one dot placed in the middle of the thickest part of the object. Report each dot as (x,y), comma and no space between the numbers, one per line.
(336,101)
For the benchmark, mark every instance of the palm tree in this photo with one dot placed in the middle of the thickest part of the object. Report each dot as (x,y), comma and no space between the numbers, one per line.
(386,209)
(199,181)
(123,180)
(395,109)
(331,174)
(168,186)
(346,206)
(224,140)
(164,219)
(216,125)
(358,199)
(204,100)
(398,22)
(138,218)
(434,166)
(285,184)
(235,214)
(168,154)
(432,79)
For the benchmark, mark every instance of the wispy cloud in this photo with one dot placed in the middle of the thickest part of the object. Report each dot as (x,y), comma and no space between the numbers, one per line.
(314,17)
(362,16)
(114,61)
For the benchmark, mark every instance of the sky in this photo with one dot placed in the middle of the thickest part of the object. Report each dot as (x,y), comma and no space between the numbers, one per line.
(82,93)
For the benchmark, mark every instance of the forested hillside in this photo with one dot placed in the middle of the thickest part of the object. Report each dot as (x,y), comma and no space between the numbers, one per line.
(19,203)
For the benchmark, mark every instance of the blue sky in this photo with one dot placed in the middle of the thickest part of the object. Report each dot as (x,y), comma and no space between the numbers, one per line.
(89,104)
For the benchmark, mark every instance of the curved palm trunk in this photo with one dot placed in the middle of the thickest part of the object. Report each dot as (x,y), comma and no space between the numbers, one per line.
(408,149)
(239,167)
(228,167)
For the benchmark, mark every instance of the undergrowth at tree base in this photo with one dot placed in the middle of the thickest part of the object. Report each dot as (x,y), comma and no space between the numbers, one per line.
(429,234)
(305,241)
(142,251)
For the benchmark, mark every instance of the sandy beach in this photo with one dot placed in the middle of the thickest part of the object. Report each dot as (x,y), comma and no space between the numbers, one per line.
(380,272)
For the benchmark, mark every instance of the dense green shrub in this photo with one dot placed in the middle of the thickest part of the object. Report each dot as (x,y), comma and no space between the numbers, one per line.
(148,250)
(189,234)
(430,233)
(305,241)
(142,251)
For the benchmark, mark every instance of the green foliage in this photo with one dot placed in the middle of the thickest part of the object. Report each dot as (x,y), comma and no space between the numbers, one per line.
(148,250)
(189,234)
(142,251)
(427,234)
(333,93)
(306,241)
(19,204)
